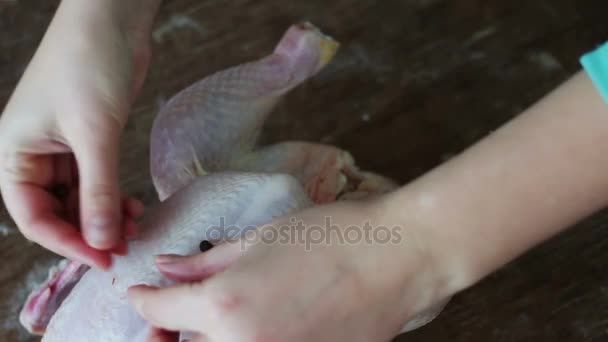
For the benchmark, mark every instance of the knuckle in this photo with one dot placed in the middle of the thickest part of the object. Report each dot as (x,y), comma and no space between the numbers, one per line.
(14,167)
(102,195)
(226,301)
(100,201)
(97,126)
(23,167)
(102,191)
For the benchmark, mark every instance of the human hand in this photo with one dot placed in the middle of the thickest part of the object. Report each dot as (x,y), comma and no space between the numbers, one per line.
(269,290)
(62,127)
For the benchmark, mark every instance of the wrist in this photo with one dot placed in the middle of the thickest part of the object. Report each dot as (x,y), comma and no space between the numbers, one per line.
(410,209)
(529,180)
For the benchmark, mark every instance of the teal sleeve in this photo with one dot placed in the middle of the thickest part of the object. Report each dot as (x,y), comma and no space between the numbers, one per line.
(595,64)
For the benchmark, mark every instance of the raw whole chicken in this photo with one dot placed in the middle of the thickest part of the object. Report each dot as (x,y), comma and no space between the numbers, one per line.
(205,166)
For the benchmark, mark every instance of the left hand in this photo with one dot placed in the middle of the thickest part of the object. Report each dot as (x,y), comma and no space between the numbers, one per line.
(62,125)
(270,290)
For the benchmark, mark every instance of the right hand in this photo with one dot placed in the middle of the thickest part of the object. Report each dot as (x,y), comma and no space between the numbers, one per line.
(62,127)
(301,278)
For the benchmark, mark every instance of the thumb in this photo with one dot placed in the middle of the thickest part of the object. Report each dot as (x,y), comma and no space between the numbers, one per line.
(97,154)
(176,308)
(199,266)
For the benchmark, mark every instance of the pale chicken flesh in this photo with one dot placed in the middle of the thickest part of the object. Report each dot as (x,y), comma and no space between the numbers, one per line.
(205,167)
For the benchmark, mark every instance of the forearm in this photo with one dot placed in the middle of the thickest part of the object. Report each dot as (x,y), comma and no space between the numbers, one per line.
(537,175)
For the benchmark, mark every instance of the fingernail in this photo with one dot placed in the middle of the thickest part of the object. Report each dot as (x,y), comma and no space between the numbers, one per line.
(99,232)
(167,258)
(136,300)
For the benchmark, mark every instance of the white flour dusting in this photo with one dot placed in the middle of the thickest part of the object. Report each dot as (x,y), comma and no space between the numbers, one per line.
(5,230)
(176,22)
(546,61)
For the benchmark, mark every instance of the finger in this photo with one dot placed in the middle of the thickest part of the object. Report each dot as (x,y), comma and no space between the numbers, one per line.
(174,308)
(197,338)
(133,207)
(199,266)
(121,249)
(100,202)
(131,228)
(160,335)
(71,207)
(64,172)
(34,211)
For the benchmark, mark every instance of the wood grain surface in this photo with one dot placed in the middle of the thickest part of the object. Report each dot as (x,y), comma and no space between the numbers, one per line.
(415,82)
